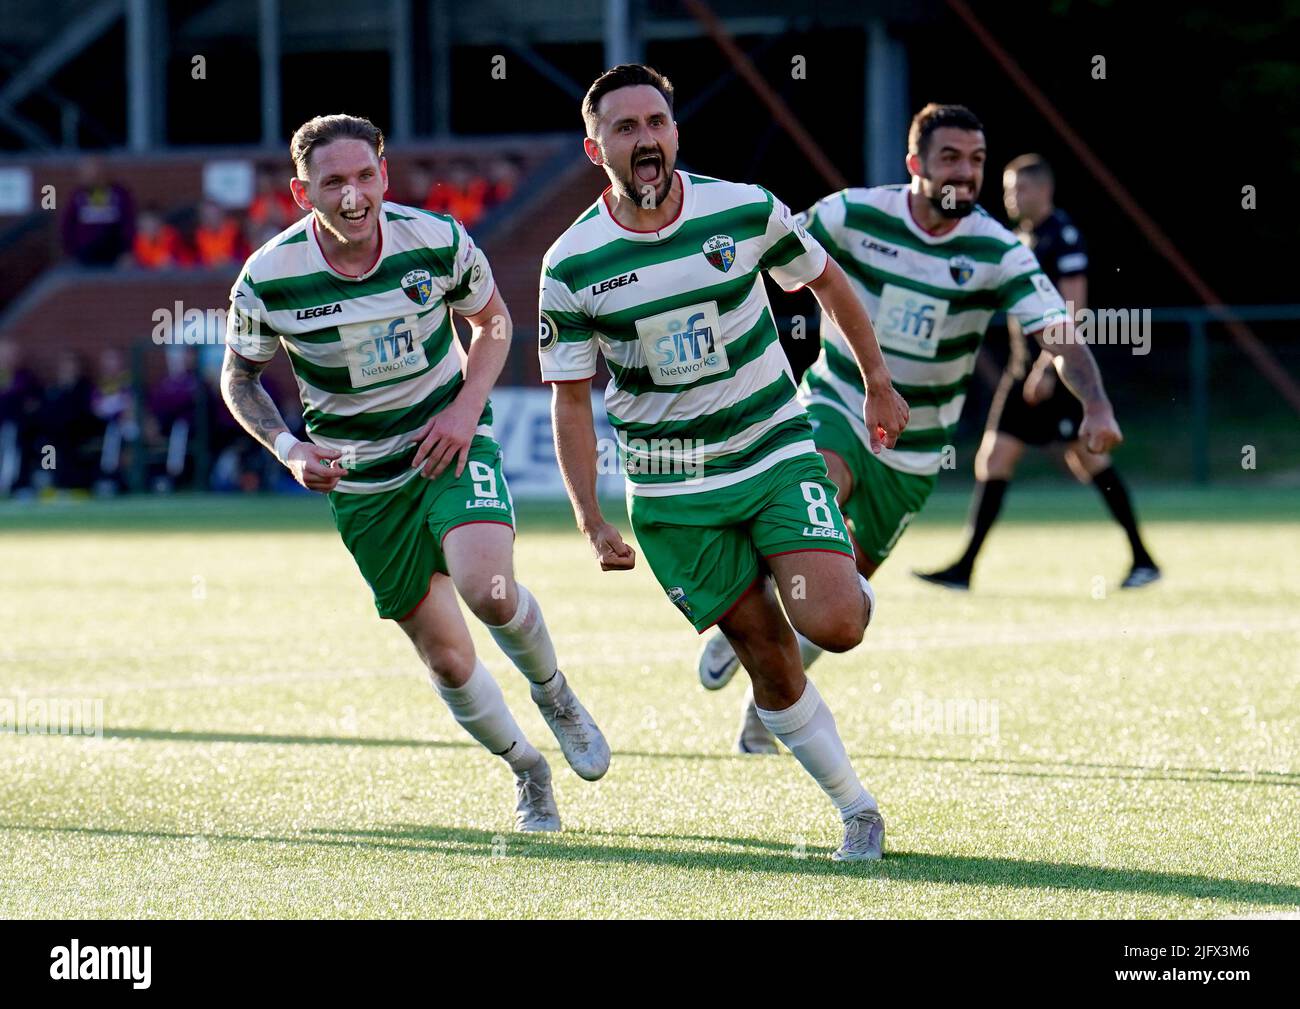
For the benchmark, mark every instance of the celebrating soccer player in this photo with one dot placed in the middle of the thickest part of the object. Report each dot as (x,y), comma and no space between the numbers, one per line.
(663,275)
(932,269)
(360,292)
(1031,407)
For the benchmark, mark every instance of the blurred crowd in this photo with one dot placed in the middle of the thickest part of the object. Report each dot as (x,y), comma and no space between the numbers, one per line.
(112,424)
(96,431)
(102,226)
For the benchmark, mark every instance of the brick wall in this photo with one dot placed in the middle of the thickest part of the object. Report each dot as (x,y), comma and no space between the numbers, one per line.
(86,311)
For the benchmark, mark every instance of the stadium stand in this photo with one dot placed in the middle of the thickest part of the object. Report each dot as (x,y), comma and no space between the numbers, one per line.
(155,301)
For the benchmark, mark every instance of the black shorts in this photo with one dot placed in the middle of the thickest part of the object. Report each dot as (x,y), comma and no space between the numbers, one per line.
(1056,419)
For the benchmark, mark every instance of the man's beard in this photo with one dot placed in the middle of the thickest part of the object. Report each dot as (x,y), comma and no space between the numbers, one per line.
(955,209)
(952,209)
(632,188)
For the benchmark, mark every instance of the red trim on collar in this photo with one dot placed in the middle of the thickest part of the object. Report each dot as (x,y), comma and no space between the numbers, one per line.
(648,231)
(932,234)
(351,276)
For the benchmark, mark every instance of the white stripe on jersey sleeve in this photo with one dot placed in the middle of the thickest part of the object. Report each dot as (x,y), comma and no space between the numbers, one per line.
(470,262)
(1042,306)
(1075,262)
(808,265)
(562,360)
(245,329)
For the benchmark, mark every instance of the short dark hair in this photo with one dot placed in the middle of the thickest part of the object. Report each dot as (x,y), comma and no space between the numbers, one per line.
(322,130)
(1033,165)
(626,75)
(935,116)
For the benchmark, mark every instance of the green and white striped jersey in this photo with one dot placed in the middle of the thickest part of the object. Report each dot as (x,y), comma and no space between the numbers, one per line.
(931,299)
(375,356)
(701,394)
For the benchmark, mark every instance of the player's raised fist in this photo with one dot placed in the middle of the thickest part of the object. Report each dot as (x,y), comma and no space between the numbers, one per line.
(1100,431)
(886,414)
(312,466)
(611,551)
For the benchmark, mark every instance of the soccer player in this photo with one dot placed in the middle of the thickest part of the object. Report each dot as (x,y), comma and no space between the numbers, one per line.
(931,268)
(1031,407)
(663,276)
(360,292)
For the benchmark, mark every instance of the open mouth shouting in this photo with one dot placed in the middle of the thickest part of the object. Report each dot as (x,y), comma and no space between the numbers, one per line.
(648,167)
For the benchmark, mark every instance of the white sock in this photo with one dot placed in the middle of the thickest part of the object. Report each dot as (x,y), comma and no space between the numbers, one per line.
(809,652)
(526,641)
(480,708)
(807,727)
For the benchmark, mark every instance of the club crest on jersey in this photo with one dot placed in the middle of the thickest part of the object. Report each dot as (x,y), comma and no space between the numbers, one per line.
(418,286)
(720,251)
(961,269)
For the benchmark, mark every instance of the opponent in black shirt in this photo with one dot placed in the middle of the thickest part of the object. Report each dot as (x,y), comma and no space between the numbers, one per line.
(1031,406)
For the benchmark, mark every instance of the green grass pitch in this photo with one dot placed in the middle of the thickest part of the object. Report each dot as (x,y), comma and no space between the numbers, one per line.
(1045,746)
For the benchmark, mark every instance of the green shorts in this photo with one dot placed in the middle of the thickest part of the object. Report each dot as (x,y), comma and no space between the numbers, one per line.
(883,500)
(705,549)
(396,536)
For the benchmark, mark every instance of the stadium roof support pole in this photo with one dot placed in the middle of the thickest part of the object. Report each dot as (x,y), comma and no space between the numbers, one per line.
(400,82)
(268,52)
(80,33)
(621,42)
(440,66)
(141,73)
(1251,345)
(776,105)
(886,106)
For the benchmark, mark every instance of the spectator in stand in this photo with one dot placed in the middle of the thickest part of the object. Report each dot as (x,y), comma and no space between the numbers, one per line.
(113,404)
(219,239)
(158,246)
(172,402)
(272,207)
(238,462)
(99,222)
(417,186)
(68,426)
(503,180)
(20,404)
(462,194)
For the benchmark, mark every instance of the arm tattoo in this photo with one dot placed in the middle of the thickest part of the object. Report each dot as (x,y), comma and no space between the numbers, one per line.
(1078,370)
(249,402)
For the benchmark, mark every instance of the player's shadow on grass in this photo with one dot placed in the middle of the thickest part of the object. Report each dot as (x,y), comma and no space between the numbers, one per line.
(747,855)
(982,765)
(757,855)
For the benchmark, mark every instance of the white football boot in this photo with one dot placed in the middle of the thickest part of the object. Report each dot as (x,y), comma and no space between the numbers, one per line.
(580,739)
(864,838)
(535,808)
(717,663)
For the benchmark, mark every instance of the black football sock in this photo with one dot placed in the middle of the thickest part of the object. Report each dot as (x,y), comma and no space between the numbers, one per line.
(986,502)
(1115,494)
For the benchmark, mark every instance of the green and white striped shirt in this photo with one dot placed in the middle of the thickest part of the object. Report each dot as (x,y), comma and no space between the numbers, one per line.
(701,394)
(931,299)
(375,356)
